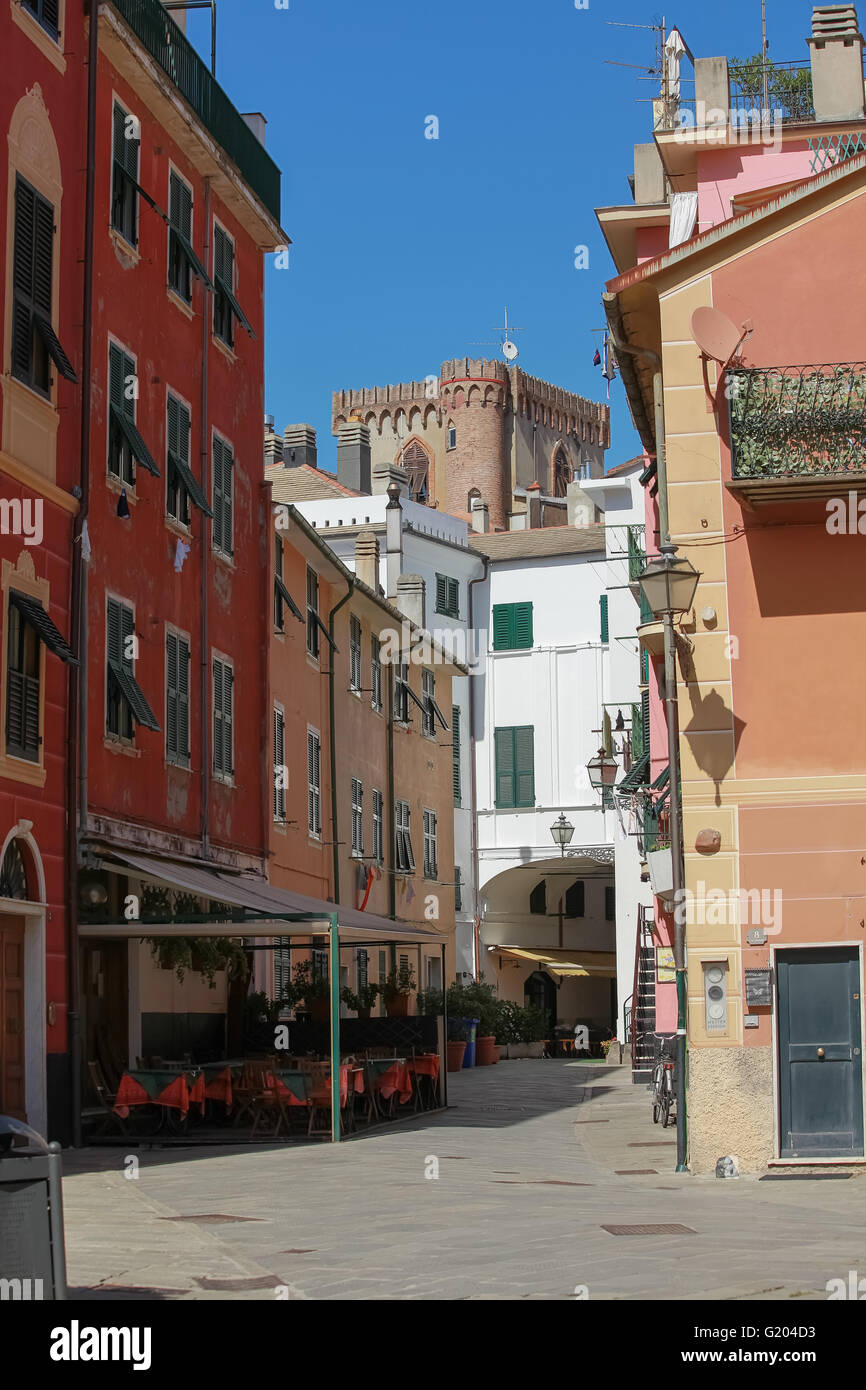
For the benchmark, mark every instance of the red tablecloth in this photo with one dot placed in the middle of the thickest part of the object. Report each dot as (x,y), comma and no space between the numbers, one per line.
(426,1065)
(396,1078)
(174,1090)
(219,1087)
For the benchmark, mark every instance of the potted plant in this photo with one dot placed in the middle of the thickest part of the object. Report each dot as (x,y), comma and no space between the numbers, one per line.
(485,1007)
(362,1002)
(314,991)
(399,984)
(534,1029)
(507,1029)
(430,1003)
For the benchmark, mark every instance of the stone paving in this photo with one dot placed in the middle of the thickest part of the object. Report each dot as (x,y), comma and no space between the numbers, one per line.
(535,1159)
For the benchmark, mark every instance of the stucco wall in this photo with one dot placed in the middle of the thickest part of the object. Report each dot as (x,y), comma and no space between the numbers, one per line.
(730,1106)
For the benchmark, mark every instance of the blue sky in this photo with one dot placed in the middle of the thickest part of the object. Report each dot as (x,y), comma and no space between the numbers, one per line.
(406,250)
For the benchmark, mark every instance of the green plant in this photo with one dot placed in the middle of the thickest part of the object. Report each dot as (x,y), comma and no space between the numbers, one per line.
(156,904)
(431,1002)
(364,999)
(399,980)
(534,1024)
(203,955)
(508,1022)
(306,986)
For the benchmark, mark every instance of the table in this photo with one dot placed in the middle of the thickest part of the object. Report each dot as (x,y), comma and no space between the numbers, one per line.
(174,1090)
(392,1074)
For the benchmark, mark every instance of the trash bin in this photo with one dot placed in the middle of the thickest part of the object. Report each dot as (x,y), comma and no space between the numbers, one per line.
(468,1031)
(32,1251)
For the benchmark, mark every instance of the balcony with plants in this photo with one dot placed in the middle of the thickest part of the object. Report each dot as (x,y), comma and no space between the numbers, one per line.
(797,433)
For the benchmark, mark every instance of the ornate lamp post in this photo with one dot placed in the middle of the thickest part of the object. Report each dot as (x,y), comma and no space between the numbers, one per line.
(602,770)
(562,831)
(669,585)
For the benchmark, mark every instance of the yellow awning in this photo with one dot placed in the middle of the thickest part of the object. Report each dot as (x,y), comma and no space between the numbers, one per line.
(569,964)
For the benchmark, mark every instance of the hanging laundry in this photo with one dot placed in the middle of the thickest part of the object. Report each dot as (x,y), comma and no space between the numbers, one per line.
(596,361)
(123,505)
(86,551)
(181,551)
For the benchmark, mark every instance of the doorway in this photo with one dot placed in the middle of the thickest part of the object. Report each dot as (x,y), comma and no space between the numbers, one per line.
(540,992)
(12,1015)
(820,1061)
(105,1006)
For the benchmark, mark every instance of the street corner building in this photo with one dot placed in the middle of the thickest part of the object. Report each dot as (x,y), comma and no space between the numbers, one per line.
(750,398)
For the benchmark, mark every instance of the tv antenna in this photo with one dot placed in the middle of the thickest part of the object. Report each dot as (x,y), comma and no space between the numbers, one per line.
(671,48)
(506,343)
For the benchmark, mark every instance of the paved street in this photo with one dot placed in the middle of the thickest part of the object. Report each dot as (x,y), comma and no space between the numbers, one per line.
(535,1160)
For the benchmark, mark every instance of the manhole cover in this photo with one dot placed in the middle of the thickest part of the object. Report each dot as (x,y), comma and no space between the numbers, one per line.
(264,1281)
(672,1228)
(634,1172)
(211,1218)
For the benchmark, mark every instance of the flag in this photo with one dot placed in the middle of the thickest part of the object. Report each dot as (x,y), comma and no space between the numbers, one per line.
(596,361)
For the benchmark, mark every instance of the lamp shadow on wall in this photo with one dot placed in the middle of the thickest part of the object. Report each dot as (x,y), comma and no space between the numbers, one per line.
(714,755)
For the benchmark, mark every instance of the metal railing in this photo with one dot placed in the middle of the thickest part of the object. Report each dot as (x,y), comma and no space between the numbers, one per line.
(798,421)
(789,87)
(170,48)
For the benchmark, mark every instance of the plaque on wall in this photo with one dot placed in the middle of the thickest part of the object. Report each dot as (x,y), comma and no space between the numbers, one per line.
(759,991)
(665,969)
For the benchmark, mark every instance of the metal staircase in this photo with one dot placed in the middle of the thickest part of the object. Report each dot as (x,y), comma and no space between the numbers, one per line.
(642,1015)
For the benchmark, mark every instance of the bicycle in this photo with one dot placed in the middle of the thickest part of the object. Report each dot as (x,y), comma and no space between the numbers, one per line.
(663,1089)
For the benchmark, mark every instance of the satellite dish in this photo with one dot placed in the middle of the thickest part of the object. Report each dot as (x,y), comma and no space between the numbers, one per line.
(509,350)
(716,335)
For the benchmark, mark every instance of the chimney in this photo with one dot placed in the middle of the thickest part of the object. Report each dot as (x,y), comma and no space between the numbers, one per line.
(354,457)
(299,446)
(256,122)
(480,516)
(384,474)
(836,48)
(410,597)
(393,540)
(273,443)
(533,506)
(367,559)
(179,17)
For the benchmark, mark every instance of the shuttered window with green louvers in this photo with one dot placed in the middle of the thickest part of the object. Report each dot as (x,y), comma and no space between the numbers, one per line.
(127,704)
(178,428)
(447,596)
(223,491)
(180,236)
(515,766)
(34,343)
(47,12)
(223,719)
(225,305)
(126,448)
(455,731)
(512,626)
(176,699)
(605,630)
(124,180)
(645,719)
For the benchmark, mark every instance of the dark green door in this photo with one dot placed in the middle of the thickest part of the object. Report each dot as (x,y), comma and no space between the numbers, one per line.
(820,1066)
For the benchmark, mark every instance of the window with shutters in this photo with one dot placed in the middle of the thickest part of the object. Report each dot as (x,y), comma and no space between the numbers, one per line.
(458,888)
(401,693)
(452,436)
(223,718)
(404,859)
(280,777)
(416,461)
(357,817)
(177,658)
(431,845)
(312,613)
(574,899)
(47,13)
(23,670)
(225,306)
(645,719)
(378,828)
(126,149)
(120,648)
(314,782)
(603,622)
(455,730)
(515,766)
(355,655)
(428,697)
(177,433)
(122,392)
(180,262)
(282,956)
(447,596)
(222,499)
(34,343)
(376,674)
(512,626)
(279,621)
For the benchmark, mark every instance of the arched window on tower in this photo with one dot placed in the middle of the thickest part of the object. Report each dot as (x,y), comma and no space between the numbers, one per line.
(452,435)
(562,474)
(474,496)
(416,462)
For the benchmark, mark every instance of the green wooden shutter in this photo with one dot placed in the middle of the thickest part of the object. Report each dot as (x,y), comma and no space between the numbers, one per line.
(183,656)
(453,598)
(180,206)
(522,625)
(524,766)
(502,627)
(217,493)
(228,718)
(22,278)
(183,425)
(127,630)
(43,256)
(504,759)
(645,720)
(602,603)
(455,731)
(218,744)
(226,489)
(113,629)
(441,593)
(171,680)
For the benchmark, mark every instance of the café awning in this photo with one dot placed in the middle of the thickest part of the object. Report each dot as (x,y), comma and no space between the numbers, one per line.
(568,964)
(279,911)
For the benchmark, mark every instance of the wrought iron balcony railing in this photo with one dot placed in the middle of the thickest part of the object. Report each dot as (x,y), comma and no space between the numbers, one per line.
(169,46)
(789,88)
(798,422)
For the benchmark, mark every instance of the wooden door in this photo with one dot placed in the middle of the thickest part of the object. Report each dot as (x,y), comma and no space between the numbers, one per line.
(12,1084)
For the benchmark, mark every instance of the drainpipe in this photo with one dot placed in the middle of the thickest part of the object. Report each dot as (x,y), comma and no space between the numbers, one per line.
(476,930)
(76,763)
(392,829)
(332,736)
(205,549)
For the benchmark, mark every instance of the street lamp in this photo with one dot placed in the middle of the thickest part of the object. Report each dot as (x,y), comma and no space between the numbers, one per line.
(669,584)
(602,770)
(562,831)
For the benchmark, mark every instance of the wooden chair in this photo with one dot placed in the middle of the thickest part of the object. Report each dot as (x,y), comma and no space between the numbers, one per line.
(254,1082)
(319,1100)
(104,1111)
(271,1101)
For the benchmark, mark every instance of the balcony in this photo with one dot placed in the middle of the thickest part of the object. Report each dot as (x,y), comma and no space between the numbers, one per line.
(789,88)
(797,433)
(170,48)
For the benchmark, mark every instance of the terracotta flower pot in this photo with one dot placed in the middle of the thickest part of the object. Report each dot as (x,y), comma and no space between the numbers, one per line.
(398,1006)
(485,1052)
(455,1055)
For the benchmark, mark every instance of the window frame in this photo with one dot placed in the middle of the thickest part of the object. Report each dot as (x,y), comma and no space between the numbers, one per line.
(126,476)
(356,638)
(375,674)
(221,544)
(35,8)
(378,827)
(447,595)
(428,697)
(183,516)
(404,856)
(401,692)
(176,757)
(451,436)
(132,181)
(223,313)
(279,747)
(314,788)
(431,844)
(19,751)
(507,641)
(313,635)
(176,257)
(226,715)
(357,792)
(516,804)
(115,699)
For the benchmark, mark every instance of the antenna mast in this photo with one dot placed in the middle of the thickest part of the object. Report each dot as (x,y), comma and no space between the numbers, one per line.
(764,50)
